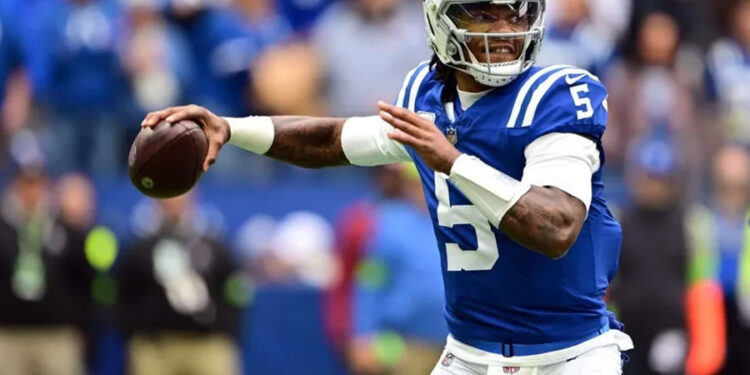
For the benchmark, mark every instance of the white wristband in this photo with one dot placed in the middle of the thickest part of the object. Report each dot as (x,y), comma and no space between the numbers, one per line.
(492,192)
(254,133)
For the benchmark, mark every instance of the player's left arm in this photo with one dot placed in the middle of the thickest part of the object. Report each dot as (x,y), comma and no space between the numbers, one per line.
(559,168)
(537,214)
(545,219)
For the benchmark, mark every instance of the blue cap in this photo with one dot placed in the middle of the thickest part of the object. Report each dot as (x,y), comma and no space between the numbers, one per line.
(656,156)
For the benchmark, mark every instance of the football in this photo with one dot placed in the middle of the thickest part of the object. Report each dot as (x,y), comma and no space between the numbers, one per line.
(166,161)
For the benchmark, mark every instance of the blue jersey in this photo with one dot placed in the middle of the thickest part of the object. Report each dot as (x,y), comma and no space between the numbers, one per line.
(497,290)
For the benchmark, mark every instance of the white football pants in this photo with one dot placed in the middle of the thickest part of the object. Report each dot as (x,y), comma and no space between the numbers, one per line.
(599,361)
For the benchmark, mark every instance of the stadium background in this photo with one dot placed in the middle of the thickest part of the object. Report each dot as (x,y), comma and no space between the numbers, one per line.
(78,76)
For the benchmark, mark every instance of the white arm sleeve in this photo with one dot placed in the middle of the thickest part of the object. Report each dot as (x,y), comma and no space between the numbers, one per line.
(492,192)
(563,160)
(253,133)
(365,142)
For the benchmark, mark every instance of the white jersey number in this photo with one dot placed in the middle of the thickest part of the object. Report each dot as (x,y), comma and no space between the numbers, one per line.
(576,92)
(482,258)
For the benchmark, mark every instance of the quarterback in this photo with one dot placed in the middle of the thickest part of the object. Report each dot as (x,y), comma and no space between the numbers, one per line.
(510,158)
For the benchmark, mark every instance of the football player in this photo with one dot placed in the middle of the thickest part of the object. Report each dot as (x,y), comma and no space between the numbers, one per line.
(510,158)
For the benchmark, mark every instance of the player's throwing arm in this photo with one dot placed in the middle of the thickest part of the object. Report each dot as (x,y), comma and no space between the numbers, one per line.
(544,219)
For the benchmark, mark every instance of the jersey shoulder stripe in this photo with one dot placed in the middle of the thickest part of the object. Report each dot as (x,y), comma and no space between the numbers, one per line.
(408,83)
(521,97)
(414,89)
(572,75)
(402,93)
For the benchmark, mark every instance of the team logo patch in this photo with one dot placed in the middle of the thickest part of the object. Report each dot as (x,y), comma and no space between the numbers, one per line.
(511,369)
(451,134)
(447,360)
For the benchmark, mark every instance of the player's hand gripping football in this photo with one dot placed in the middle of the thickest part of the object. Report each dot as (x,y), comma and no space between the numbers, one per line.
(216,127)
(421,134)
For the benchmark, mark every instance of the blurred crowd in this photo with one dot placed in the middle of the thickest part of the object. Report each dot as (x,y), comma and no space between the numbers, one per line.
(77,76)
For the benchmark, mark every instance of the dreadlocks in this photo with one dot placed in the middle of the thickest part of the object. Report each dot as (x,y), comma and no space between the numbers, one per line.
(445,75)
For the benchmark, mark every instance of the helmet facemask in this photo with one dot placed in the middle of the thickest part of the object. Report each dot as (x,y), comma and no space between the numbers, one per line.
(493,41)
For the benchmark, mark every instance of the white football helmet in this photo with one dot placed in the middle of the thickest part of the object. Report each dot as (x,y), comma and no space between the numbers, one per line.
(452,24)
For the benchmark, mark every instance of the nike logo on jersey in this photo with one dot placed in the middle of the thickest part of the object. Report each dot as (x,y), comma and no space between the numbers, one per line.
(572,80)
(524,110)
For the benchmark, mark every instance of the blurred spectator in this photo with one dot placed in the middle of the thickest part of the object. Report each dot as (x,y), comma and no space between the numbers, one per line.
(695,17)
(96,250)
(654,231)
(153,57)
(253,243)
(353,232)
(179,298)
(392,34)
(287,80)
(19,65)
(222,44)
(303,14)
(264,22)
(728,71)
(87,88)
(295,250)
(398,323)
(303,245)
(573,38)
(15,110)
(610,18)
(649,96)
(722,13)
(76,200)
(45,278)
(7,45)
(720,241)
(76,203)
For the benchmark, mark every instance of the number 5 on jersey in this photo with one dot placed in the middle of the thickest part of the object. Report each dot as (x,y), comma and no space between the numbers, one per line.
(579,101)
(482,258)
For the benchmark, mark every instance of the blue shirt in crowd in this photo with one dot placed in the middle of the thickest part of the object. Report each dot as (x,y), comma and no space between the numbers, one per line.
(81,64)
(20,44)
(399,285)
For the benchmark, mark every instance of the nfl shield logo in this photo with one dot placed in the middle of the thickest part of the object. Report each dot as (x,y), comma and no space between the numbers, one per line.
(510,369)
(452,135)
(447,360)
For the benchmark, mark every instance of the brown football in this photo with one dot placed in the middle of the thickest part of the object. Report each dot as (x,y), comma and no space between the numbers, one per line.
(166,161)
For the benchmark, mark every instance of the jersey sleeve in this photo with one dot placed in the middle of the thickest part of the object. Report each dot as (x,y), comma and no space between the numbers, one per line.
(567,101)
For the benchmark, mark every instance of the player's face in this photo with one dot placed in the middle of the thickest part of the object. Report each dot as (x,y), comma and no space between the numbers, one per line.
(485,17)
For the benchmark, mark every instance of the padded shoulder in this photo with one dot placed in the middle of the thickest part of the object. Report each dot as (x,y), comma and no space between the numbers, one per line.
(407,97)
(561,99)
